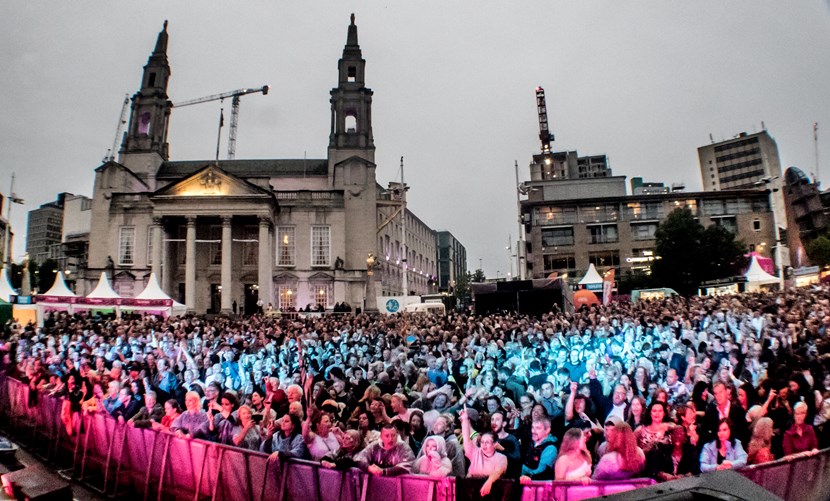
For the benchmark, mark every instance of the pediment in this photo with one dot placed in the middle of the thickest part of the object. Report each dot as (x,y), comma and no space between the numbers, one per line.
(355,159)
(320,277)
(211,181)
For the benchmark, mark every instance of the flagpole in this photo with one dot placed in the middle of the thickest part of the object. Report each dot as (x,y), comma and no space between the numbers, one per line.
(815,143)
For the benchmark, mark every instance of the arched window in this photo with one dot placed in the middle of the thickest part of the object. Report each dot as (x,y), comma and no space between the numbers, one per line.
(144,123)
(351,123)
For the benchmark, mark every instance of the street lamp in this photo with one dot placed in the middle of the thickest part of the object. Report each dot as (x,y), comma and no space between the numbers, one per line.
(768,181)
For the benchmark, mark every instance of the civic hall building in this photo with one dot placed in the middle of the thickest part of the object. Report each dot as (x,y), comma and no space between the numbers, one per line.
(292,232)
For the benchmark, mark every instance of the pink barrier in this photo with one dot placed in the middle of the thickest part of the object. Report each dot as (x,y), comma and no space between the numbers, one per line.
(126,462)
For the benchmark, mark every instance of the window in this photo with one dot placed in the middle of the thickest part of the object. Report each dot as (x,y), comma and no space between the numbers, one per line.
(215,244)
(607,212)
(320,245)
(555,215)
(603,233)
(552,237)
(288,298)
(322,294)
(727,222)
(126,246)
(285,243)
(250,246)
(643,231)
(605,260)
(562,264)
(756,225)
(645,210)
(351,123)
(352,74)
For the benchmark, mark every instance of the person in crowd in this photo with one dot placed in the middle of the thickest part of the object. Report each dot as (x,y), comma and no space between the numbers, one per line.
(432,460)
(443,427)
(722,408)
(723,453)
(152,412)
(684,459)
(194,422)
(507,444)
(485,461)
(800,437)
(538,460)
(343,459)
(636,411)
(624,458)
(759,450)
(246,432)
(574,460)
(417,429)
(320,436)
(71,407)
(388,456)
(171,412)
(654,437)
(284,439)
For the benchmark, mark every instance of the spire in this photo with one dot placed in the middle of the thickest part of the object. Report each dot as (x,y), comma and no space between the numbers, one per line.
(351,39)
(161,42)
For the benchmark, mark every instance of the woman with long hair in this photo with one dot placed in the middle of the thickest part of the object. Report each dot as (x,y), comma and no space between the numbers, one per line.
(758,450)
(285,439)
(319,435)
(417,430)
(640,381)
(683,459)
(574,460)
(635,412)
(624,458)
(654,438)
(700,397)
(723,453)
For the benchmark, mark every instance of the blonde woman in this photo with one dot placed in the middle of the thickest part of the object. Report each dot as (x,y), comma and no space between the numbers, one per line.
(433,460)
(574,460)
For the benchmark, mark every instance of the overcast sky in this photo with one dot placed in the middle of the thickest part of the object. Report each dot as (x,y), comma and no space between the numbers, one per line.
(644,82)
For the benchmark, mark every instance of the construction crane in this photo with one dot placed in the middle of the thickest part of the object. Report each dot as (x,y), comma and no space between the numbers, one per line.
(235,94)
(119,129)
(544,132)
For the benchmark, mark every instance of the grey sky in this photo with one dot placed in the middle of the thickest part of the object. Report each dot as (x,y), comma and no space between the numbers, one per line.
(644,82)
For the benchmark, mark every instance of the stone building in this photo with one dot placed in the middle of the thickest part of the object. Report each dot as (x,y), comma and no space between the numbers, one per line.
(220,233)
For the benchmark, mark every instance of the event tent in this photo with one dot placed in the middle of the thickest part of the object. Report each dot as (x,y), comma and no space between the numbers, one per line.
(58,298)
(592,279)
(154,300)
(102,298)
(756,277)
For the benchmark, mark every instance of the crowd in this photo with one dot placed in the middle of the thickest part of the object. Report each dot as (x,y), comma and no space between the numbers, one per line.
(659,389)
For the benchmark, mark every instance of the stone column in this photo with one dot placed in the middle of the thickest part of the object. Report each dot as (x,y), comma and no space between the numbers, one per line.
(168,267)
(157,243)
(265,262)
(227,260)
(190,265)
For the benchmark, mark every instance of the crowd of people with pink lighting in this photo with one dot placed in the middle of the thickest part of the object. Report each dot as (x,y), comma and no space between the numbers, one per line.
(660,389)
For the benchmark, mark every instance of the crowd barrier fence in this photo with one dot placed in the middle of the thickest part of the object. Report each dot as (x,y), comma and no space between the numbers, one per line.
(125,462)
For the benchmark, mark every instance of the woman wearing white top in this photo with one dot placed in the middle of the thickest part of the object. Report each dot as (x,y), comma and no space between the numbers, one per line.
(574,460)
(323,440)
(485,461)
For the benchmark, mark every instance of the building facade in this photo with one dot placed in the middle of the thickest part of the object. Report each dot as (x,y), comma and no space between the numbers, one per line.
(221,233)
(806,217)
(452,260)
(738,163)
(44,230)
(566,233)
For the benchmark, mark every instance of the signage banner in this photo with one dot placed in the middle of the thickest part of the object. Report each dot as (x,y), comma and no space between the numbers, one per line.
(607,286)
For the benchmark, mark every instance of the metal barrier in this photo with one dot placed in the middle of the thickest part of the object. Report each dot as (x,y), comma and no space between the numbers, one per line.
(132,463)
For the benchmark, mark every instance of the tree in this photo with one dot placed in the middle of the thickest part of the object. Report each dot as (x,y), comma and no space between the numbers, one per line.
(677,250)
(634,280)
(478,276)
(819,251)
(723,256)
(688,254)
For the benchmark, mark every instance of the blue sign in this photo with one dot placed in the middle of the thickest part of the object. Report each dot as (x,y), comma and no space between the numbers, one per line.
(392,305)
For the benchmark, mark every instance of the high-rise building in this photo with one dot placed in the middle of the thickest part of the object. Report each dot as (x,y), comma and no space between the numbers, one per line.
(44,230)
(739,162)
(452,260)
(568,165)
